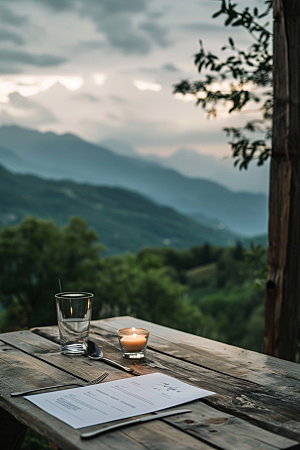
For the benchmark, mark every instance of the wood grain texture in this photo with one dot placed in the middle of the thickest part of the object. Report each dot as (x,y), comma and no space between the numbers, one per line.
(19,370)
(235,361)
(283,283)
(249,407)
(260,389)
(228,432)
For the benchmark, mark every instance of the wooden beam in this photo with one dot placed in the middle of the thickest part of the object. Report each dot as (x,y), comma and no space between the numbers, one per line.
(283,284)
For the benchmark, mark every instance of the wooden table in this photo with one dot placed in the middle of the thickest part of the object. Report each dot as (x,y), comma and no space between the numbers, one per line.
(257,405)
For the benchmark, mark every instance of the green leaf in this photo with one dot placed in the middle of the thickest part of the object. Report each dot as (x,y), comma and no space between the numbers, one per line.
(238,23)
(216,14)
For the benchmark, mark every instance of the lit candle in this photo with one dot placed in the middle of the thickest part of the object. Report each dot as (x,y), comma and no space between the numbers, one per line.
(133,339)
(133,343)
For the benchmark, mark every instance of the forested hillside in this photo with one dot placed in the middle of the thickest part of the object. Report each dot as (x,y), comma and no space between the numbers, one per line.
(205,290)
(124,220)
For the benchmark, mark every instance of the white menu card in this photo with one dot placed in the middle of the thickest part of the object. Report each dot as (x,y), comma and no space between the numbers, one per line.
(115,400)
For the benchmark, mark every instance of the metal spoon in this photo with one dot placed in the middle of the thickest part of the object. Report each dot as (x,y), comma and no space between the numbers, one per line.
(93,351)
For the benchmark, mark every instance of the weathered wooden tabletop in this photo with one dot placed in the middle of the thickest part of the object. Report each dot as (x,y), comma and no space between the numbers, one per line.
(256,406)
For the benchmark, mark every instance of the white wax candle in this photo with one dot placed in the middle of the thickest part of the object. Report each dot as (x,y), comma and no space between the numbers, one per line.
(134,342)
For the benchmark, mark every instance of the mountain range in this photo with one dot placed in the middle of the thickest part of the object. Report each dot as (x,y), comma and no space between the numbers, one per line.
(67,156)
(124,220)
(193,164)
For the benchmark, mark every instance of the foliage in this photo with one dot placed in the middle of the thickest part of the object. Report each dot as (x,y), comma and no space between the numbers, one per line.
(257,259)
(33,257)
(34,441)
(220,302)
(36,254)
(142,287)
(195,290)
(249,78)
(234,311)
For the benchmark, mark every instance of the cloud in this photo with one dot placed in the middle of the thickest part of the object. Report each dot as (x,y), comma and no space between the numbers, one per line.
(117,6)
(90,45)
(157,33)
(10,36)
(159,71)
(127,26)
(152,134)
(145,86)
(23,57)
(25,112)
(90,6)
(118,99)
(28,85)
(6,69)
(58,5)
(124,26)
(121,34)
(220,33)
(202,28)
(99,78)
(91,98)
(9,17)
(169,67)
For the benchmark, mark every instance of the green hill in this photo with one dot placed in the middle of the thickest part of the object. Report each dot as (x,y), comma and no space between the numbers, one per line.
(124,220)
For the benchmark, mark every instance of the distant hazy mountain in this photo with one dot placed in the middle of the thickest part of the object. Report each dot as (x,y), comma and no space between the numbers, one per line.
(120,147)
(67,156)
(221,170)
(198,165)
(12,161)
(123,220)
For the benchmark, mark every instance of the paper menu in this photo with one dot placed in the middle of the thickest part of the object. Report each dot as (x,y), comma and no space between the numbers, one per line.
(115,400)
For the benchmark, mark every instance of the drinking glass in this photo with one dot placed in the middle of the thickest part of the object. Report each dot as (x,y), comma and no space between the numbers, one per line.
(74,311)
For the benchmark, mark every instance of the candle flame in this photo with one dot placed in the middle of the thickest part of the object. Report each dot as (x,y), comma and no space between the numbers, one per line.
(89,302)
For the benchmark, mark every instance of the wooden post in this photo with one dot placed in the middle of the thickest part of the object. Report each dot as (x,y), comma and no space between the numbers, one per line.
(283,284)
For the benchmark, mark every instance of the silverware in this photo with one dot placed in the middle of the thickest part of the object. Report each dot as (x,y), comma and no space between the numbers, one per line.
(34,391)
(133,422)
(93,351)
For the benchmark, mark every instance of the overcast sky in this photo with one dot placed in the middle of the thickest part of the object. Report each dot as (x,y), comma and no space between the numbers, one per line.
(105,69)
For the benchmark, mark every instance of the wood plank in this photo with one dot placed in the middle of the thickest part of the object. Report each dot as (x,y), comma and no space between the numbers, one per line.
(18,368)
(109,338)
(34,365)
(162,437)
(242,364)
(286,388)
(251,365)
(229,432)
(219,430)
(44,350)
(271,408)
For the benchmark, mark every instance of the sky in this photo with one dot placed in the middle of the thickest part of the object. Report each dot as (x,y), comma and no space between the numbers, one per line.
(105,69)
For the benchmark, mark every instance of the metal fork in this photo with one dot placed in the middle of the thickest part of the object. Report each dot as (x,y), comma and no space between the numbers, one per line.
(34,391)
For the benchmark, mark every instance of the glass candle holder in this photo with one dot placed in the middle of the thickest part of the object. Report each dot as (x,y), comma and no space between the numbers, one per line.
(133,342)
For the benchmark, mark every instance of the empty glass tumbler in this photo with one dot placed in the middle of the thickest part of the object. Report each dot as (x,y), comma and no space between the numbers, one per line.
(74,311)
